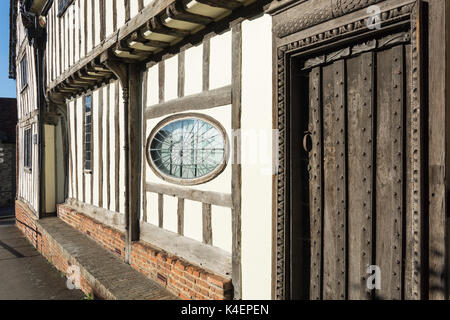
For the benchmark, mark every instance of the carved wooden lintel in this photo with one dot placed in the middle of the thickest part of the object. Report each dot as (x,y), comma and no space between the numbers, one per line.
(390,40)
(316,12)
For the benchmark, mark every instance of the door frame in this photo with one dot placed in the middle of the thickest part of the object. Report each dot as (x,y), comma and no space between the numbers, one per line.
(310,45)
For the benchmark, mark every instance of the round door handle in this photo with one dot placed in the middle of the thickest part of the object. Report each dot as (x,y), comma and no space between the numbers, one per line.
(307,142)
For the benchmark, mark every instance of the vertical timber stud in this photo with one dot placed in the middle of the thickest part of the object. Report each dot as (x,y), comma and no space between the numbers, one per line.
(102,20)
(236,161)
(134,149)
(127,10)
(130,77)
(341,179)
(397,110)
(417,156)
(360,85)
(447,131)
(207,224)
(316,183)
(144,135)
(437,133)
(180,215)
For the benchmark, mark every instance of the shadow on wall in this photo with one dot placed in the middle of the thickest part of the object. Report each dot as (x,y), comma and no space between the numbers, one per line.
(8,122)
(7,174)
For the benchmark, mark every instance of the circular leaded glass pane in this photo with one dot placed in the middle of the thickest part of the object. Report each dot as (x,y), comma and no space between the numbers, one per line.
(188,148)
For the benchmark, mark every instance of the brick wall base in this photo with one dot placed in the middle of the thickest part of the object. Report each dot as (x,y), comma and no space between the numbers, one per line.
(111,239)
(185,280)
(29,226)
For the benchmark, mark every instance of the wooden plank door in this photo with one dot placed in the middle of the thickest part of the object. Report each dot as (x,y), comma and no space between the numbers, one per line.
(357,173)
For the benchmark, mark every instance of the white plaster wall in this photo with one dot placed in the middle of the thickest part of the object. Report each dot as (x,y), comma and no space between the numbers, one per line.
(221,227)
(256,175)
(170,218)
(112,137)
(95,147)
(99,156)
(83,22)
(71,44)
(104,195)
(152,86)
(77,33)
(72,173)
(220,61)
(120,13)
(171,79)
(109,18)
(79,141)
(89,23)
(193,70)
(134,8)
(193,220)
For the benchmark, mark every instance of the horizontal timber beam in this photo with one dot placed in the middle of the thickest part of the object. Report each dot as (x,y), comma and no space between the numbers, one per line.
(209,197)
(205,100)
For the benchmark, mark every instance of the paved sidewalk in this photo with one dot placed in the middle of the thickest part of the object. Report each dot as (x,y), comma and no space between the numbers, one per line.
(24,273)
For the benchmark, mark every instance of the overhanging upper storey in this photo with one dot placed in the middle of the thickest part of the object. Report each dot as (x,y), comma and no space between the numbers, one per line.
(160,28)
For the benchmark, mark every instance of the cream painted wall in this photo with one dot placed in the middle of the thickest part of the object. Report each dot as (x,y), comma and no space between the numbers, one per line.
(50,171)
(220,61)
(194,73)
(256,171)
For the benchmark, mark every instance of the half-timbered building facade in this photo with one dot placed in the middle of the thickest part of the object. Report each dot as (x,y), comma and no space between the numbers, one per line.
(240,149)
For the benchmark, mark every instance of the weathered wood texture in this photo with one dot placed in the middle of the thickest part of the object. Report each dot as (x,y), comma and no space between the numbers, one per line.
(134,149)
(316,183)
(438,140)
(389,168)
(357,110)
(236,180)
(205,100)
(214,198)
(360,85)
(334,181)
(207,224)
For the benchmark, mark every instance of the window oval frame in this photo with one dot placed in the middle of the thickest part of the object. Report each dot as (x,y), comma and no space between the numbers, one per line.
(184,181)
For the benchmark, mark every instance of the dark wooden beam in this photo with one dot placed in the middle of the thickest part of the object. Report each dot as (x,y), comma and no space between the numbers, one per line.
(207,224)
(214,198)
(236,179)
(205,100)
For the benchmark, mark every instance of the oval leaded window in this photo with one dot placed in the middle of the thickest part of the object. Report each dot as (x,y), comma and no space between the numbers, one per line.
(188,149)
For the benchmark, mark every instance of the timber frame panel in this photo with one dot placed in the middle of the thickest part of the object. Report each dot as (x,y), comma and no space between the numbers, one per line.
(118,58)
(293,37)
